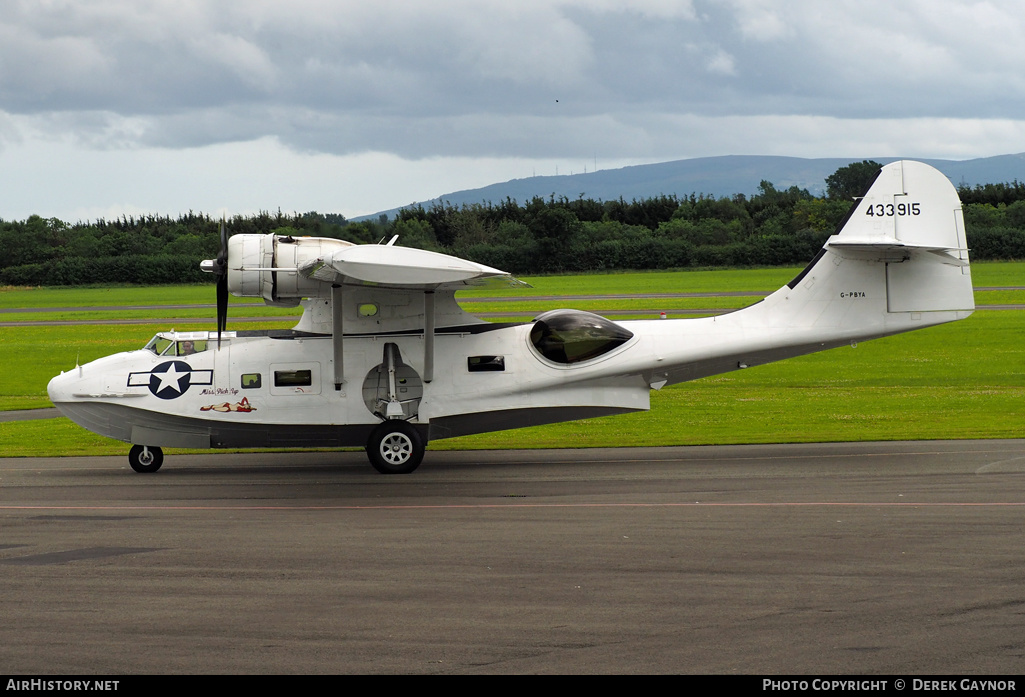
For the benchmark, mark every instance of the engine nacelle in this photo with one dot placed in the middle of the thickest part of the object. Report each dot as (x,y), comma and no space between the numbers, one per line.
(264,266)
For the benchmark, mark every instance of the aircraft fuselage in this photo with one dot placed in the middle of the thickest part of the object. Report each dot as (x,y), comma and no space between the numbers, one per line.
(277,389)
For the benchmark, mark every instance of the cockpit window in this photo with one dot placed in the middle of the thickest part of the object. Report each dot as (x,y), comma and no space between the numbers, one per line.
(159,345)
(171,344)
(573,336)
(187,347)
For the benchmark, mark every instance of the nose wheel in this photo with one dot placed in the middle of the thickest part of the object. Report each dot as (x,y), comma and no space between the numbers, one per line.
(145,458)
(395,447)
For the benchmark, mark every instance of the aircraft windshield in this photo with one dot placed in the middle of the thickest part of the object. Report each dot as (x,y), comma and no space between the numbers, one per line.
(178,344)
(159,344)
(573,336)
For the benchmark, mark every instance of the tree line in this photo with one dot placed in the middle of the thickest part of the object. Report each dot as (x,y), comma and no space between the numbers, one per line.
(542,235)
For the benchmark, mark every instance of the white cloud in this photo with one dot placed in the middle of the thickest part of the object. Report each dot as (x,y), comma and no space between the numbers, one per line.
(762,20)
(653,9)
(247,61)
(721,63)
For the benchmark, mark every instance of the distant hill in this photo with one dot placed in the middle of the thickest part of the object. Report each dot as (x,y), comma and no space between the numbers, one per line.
(715,176)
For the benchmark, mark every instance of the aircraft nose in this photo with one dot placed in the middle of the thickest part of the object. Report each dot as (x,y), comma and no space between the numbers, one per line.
(59,387)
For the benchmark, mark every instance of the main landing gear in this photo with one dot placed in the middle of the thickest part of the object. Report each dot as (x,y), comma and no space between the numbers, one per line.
(395,447)
(392,391)
(145,458)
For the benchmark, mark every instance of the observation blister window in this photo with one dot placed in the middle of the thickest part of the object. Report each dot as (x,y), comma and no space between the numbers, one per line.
(574,336)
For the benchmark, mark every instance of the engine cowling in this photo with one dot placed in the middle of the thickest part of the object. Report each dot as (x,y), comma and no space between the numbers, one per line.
(265,266)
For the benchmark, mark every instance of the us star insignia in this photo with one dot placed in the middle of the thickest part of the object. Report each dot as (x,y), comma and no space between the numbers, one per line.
(170,379)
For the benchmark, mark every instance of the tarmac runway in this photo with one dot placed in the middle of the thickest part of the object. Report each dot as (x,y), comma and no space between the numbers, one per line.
(869,558)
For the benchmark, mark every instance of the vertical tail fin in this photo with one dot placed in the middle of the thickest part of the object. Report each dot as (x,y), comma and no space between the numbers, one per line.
(911,220)
(898,262)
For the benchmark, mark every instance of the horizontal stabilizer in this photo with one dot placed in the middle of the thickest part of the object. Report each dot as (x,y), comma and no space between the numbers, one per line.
(891,249)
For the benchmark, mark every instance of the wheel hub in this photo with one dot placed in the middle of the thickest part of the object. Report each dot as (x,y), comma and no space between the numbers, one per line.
(396,448)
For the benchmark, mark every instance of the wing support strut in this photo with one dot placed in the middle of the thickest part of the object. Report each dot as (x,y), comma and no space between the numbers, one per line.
(336,335)
(394,408)
(428,335)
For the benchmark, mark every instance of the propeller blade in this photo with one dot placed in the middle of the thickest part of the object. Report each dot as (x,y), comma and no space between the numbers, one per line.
(222,306)
(222,285)
(222,258)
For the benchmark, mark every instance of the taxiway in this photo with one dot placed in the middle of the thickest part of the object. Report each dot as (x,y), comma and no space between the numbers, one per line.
(885,558)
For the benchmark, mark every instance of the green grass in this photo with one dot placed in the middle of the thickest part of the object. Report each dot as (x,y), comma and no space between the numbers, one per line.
(998,273)
(54,438)
(78,296)
(759,280)
(19,402)
(765,280)
(987,273)
(193,315)
(705,281)
(1000,297)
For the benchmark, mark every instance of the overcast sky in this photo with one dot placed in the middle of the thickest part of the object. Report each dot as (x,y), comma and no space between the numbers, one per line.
(128,106)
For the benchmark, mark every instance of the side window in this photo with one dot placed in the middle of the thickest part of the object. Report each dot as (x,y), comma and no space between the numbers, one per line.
(293,378)
(187,348)
(250,381)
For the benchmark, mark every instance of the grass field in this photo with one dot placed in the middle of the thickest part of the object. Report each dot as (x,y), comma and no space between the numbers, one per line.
(963,380)
(984,274)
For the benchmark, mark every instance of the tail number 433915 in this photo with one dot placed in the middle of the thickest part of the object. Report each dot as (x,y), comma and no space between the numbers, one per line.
(891,209)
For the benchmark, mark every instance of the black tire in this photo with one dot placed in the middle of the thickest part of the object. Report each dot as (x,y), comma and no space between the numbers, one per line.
(395,447)
(145,458)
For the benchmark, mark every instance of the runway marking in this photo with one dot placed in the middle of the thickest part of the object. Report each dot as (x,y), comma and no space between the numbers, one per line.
(696,504)
(1015,464)
(746,458)
(75,555)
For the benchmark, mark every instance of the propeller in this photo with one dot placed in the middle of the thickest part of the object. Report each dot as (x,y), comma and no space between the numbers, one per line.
(221,269)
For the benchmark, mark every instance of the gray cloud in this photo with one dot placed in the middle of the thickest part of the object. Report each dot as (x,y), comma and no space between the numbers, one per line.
(526,79)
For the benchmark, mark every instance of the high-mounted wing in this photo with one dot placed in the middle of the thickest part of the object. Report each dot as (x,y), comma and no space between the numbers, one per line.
(389,266)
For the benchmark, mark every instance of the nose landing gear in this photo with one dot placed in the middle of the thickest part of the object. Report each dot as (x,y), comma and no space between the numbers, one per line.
(145,458)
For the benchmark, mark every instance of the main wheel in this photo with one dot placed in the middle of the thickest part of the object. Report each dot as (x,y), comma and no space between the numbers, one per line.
(395,447)
(145,458)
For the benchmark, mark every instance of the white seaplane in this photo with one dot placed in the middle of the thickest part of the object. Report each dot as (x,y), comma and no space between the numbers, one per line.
(384,357)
